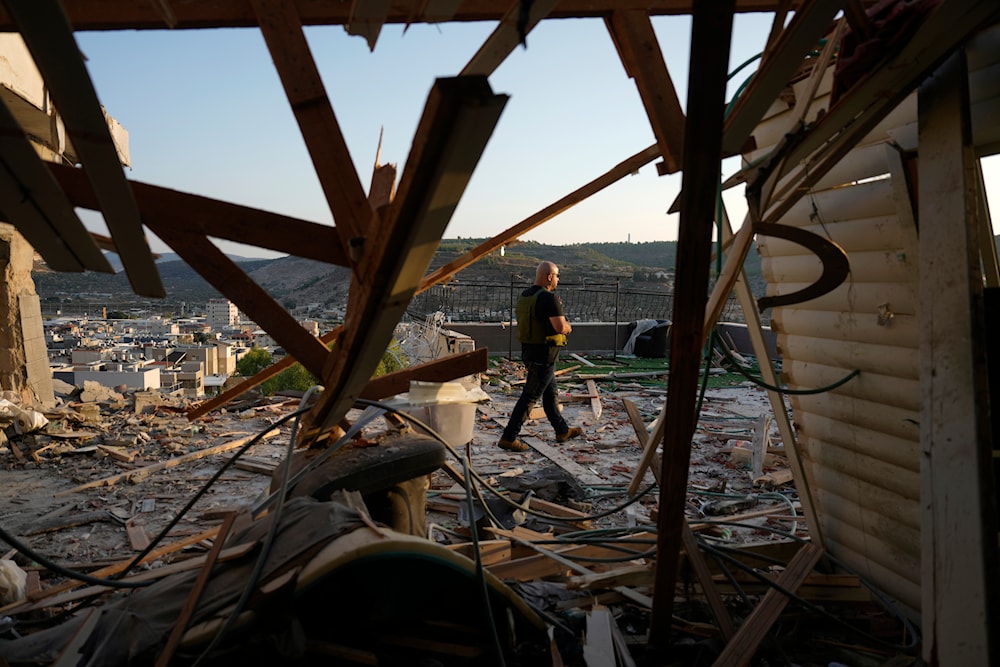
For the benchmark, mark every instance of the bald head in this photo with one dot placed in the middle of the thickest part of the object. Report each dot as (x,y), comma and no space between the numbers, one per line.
(547,275)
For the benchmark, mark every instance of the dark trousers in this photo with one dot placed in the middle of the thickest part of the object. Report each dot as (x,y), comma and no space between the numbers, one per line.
(541,382)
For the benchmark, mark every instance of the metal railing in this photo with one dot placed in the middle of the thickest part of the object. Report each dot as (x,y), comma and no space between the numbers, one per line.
(471,301)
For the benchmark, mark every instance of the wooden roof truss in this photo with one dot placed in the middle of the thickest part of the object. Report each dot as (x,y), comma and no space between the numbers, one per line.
(388,240)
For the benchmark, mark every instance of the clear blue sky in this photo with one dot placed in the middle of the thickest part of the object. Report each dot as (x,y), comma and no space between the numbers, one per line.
(206,114)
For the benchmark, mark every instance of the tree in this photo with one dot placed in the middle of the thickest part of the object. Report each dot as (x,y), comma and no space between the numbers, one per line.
(295,378)
(253,362)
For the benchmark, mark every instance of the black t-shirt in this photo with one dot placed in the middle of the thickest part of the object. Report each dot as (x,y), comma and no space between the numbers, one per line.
(547,305)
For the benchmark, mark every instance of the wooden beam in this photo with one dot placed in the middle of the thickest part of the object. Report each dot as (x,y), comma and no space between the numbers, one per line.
(704,575)
(49,37)
(31,200)
(458,120)
(506,37)
(875,95)
(168,209)
(444,273)
(615,174)
(128,14)
(227,277)
(194,595)
(751,314)
(642,57)
(282,29)
(595,399)
(711,34)
(744,643)
(958,524)
(439,370)
(781,61)
(575,470)
(260,378)
(367,18)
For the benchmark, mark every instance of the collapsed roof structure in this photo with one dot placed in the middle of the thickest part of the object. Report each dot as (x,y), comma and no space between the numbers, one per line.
(873,272)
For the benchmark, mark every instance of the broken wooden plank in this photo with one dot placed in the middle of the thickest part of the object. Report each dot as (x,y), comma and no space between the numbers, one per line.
(744,643)
(140,474)
(40,601)
(459,118)
(627,575)
(635,596)
(599,644)
(640,53)
(137,537)
(625,168)
(443,369)
(491,552)
(70,654)
(704,576)
(162,207)
(585,362)
(117,453)
(595,399)
(34,204)
(49,36)
(555,509)
(367,19)
(256,465)
(281,27)
(57,523)
(506,37)
(638,424)
(711,33)
(577,471)
(194,595)
(47,598)
(227,277)
(774,478)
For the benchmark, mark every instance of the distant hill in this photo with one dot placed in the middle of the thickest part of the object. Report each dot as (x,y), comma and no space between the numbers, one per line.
(294,281)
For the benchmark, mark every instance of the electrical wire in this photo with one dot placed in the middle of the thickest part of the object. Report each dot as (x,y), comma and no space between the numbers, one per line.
(204,489)
(366,417)
(791,595)
(114,580)
(882,598)
(65,571)
(265,551)
(784,390)
(548,517)
(480,572)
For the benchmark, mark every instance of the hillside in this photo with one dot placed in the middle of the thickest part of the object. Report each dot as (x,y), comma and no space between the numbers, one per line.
(295,282)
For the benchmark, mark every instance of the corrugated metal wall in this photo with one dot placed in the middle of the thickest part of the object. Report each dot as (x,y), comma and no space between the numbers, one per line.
(860,442)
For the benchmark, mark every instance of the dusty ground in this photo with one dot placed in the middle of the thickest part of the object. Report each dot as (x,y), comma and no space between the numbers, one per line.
(41,498)
(82,491)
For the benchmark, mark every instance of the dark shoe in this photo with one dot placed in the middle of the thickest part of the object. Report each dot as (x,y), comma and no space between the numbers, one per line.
(571,433)
(512,445)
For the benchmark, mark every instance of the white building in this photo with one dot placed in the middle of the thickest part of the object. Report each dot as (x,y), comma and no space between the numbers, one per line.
(221,313)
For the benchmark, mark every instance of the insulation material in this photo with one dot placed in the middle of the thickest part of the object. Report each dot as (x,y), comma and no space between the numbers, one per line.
(13,581)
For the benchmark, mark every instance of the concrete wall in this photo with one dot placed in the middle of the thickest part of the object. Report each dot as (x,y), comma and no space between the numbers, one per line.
(587,337)
(141,379)
(597,338)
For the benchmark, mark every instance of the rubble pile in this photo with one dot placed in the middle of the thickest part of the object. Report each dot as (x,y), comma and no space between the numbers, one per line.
(93,488)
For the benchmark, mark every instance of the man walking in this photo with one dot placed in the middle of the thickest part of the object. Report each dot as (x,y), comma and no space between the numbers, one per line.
(542,329)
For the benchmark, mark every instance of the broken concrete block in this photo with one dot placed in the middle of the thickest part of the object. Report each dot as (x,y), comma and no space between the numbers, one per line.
(94,392)
(146,401)
(63,389)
